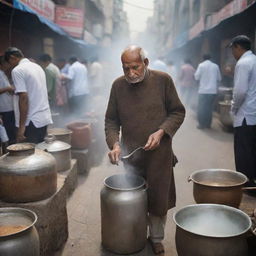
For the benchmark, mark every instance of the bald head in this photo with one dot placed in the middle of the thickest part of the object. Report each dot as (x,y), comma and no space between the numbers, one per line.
(134,63)
(133,52)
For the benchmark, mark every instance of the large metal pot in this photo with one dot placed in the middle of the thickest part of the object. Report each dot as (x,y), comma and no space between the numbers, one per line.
(211,230)
(226,117)
(60,150)
(61,134)
(218,186)
(27,174)
(124,213)
(18,235)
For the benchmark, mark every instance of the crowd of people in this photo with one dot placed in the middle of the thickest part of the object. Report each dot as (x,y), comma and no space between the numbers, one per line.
(31,90)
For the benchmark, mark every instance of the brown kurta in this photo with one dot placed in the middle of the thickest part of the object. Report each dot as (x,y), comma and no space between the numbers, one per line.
(140,110)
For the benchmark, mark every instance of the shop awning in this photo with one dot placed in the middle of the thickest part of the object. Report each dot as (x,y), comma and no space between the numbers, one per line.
(54,27)
(183,39)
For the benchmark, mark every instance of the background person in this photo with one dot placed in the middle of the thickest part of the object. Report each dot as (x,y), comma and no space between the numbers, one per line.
(208,74)
(32,112)
(244,107)
(78,88)
(6,102)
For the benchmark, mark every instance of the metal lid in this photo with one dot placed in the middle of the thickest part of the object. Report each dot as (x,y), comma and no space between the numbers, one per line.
(50,144)
(21,149)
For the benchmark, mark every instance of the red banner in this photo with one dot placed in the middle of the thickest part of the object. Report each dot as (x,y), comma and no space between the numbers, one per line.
(197,28)
(234,7)
(70,19)
(43,7)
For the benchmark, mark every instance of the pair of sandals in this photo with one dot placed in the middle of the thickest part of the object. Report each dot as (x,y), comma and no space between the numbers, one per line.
(157,248)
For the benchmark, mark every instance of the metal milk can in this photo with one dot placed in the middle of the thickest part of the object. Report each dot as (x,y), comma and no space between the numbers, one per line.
(124,213)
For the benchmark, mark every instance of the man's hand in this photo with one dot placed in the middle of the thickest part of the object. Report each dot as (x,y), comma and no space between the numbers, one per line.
(154,140)
(114,154)
(20,134)
(10,89)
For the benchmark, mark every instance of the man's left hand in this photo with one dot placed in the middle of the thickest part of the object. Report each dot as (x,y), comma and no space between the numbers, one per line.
(154,140)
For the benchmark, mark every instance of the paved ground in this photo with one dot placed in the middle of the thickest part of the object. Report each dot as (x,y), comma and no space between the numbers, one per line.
(196,149)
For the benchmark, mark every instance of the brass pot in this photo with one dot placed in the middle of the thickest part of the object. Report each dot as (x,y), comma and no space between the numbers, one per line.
(218,186)
(18,235)
(211,230)
(27,174)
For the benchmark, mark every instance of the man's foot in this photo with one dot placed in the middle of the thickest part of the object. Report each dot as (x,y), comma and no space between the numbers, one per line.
(157,248)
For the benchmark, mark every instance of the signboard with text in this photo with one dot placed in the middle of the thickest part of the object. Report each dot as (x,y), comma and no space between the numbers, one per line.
(44,8)
(70,19)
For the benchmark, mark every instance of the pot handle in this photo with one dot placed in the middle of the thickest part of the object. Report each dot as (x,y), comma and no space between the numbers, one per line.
(146,187)
(249,188)
(189,178)
(253,230)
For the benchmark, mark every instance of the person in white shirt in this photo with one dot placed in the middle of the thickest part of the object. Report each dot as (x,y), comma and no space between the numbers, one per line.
(6,102)
(78,88)
(244,107)
(96,76)
(32,111)
(208,74)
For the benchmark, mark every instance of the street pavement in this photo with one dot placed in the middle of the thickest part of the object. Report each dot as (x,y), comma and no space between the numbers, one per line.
(195,149)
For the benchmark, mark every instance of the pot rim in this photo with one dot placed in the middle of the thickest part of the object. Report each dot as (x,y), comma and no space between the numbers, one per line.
(27,212)
(59,131)
(191,177)
(214,205)
(125,189)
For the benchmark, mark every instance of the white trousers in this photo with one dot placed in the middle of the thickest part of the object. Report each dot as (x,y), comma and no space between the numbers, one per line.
(156,226)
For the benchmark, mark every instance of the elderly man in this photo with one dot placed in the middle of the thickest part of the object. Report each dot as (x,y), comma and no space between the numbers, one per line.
(244,107)
(32,111)
(145,105)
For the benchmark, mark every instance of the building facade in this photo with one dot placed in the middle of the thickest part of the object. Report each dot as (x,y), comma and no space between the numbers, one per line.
(190,28)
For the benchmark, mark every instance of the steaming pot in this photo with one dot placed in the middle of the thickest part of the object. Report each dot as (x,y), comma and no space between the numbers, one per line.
(218,186)
(211,230)
(61,151)
(27,174)
(124,213)
(18,235)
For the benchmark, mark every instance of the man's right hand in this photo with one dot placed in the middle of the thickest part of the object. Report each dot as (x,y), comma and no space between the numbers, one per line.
(114,154)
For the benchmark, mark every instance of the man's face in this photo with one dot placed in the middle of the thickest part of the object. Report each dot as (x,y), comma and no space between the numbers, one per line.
(237,51)
(134,68)
(13,61)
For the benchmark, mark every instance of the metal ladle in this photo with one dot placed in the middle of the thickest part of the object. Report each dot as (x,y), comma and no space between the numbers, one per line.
(129,155)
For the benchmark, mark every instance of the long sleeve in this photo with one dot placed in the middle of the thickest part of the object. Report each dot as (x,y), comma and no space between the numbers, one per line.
(241,85)
(174,108)
(112,122)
